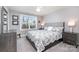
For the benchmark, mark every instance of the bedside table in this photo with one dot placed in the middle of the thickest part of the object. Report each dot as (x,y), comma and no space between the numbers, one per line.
(70,38)
(41,28)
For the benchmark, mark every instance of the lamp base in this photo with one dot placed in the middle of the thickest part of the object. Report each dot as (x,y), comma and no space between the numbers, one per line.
(71,29)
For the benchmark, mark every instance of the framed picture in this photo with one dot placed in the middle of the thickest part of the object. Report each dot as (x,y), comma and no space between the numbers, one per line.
(14,22)
(14,17)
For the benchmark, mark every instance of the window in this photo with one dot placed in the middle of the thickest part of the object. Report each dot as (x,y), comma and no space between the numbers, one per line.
(28,22)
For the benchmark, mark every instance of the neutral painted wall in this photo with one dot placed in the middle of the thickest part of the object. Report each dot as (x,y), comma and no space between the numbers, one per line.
(64,15)
(0,19)
(17,27)
(13,27)
(40,19)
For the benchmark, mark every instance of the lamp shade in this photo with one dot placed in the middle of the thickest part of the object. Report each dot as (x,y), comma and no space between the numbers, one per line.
(42,23)
(71,23)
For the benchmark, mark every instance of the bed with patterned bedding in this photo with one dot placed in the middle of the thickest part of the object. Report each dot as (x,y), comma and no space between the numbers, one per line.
(42,39)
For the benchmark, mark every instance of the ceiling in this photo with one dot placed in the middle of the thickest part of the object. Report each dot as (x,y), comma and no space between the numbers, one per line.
(45,10)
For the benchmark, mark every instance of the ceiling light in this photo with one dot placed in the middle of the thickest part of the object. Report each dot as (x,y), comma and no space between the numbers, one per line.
(38,9)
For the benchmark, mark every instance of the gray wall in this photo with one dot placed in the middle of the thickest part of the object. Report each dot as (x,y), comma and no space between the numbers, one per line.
(64,14)
(17,27)
(13,27)
(0,19)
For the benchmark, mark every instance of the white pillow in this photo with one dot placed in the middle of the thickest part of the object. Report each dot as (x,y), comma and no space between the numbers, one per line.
(54,29)
(48,28)
(57,29)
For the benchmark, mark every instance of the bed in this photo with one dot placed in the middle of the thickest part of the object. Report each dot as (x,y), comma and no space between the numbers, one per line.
(41,40)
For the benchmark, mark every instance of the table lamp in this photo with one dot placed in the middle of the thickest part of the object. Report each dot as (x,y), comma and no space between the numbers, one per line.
(71,24)
(42,24)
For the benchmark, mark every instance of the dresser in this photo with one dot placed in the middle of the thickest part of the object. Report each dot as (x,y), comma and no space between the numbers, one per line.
(8,42)
(71,38)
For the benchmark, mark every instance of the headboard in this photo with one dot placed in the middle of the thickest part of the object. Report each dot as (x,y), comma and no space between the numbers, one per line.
(56,24)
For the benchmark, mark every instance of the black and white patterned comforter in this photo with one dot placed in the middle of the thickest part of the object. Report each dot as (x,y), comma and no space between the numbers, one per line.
(42,38)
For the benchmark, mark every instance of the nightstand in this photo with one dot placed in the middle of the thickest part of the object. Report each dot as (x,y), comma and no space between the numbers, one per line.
(41,28)
(71,38)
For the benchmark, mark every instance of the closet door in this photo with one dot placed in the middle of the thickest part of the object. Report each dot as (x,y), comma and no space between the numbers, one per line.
(4,20)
